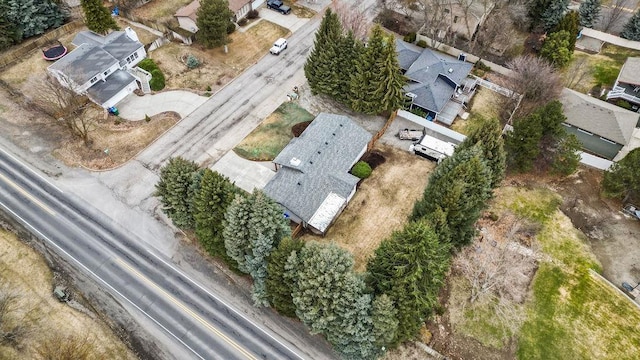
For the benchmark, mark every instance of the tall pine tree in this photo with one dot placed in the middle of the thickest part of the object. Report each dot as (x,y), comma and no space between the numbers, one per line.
(278,287)
(536,9)
(33,17)
(571,24)
(389,85)
(621,180)
(385,321)
(350,50)
(556,49)
(410,268)
(487,134)
(589,13)
(97,17)
(213,19)
(254,227)
(631,30)
(320,65)
(175,190)
(554,12)
(522,144)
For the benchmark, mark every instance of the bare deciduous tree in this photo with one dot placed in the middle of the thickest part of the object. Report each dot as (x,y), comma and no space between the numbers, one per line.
(497,34)
(13,328)
(577,71)
(612,14)
(437,21)
(535,79)
(59,347)
(353,18)
(64,105)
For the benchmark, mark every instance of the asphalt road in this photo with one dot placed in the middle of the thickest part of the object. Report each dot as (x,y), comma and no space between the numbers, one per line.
(194,319)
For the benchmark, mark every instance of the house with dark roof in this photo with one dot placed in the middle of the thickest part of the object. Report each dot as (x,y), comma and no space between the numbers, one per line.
(312,182)
(602,128)
(627,86)
(438,84)
(103,67)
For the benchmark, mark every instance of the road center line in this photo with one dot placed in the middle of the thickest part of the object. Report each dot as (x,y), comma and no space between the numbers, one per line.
(27,195)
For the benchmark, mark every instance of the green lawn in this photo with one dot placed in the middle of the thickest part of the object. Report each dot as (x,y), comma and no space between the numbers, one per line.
(273,134)
(589,70)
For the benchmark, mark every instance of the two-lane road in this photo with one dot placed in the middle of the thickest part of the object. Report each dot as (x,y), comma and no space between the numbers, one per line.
(192,316)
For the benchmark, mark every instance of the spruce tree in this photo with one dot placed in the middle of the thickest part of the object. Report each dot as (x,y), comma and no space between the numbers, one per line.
(488,135)
(631,29)
(522,144)
(570,23)
(213,19)
(536,9)
(385,321)
(566,158)
(254,227)
(210,205)
(278,287)
(621,180)
(554,12)
(589,13)
(97,17)
(556,49)
(368,74)
(410,268)
(459,189)
(175,190)
(350,50)
(33,17)
(388,87)
(319,67)
(8,30)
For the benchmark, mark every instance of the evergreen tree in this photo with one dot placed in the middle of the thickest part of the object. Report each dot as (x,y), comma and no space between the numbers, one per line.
(589,13)
(458,190)
(330,298)
(522,143)
(8,30)
(97,17)
(554,12)
(631,30)
(376,85)
(385,321)
(566,159)
(33,17)
(621,180)
(556,49)
(278,287)
(571,24)
(254,227)
(536,9)
(210,205)
(410,268)
(320,65)
(175,190)
(350,50)
(488,135)
(213,19)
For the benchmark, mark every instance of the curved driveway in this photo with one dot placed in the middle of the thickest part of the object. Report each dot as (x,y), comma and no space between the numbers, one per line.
(135,107)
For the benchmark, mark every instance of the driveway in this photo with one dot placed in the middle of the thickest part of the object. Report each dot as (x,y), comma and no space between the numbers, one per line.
(290,21)
(135,107)
(247,175)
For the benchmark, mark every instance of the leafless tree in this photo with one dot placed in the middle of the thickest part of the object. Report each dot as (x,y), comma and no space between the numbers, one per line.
(496,35)
(613,13)
(353,18)
(577,71)
(60,347)
(64,105)
(13,328)
(437,21)
(535,79)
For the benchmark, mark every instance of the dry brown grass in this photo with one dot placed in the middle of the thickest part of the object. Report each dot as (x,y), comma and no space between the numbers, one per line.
(124,141)
(159,9)
(381,205)
(484,103)
(217,68)
(28,275)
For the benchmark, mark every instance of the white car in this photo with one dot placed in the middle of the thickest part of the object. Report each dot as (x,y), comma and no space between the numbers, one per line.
(278,46)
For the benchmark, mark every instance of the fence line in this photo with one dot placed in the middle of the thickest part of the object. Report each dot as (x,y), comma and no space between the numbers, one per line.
(381,132)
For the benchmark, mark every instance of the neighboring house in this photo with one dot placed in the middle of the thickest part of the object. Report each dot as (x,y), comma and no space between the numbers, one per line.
(312,182)
(103,67)
(627,86)
(438,84)
(187,15)
(602,128)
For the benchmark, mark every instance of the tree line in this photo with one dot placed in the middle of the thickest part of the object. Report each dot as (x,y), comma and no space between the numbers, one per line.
(22,19)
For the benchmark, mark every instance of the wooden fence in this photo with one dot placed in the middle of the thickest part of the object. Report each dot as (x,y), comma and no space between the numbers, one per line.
(381,132)
(18,52)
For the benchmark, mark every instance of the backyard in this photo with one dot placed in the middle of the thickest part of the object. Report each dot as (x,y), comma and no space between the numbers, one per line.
(484,103)
(587,71)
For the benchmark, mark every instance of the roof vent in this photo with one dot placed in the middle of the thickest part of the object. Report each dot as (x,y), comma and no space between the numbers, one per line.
(318,152)
(299,183)
(450,70)
(326,143)
(340,125)
(295,161)
(334,134)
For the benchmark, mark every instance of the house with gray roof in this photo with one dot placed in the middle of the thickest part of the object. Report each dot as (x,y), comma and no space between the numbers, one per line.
(312,182)
(627,86)
(103,67)
(602,128)
(438,84)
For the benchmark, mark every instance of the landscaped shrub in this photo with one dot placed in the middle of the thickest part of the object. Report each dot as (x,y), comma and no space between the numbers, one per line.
(157,80)
(361,169)
(148,65)
(422,43)
(419,112)
(623,104)
(231,27)
(192,62)
(242,22)
(253,14)
(410,37)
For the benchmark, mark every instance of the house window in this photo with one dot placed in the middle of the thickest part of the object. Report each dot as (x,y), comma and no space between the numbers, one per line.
(607,140)
(585,132)
(94,79)
(106,73)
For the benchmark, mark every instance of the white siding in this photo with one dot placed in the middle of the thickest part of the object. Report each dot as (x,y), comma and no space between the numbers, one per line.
(257,3)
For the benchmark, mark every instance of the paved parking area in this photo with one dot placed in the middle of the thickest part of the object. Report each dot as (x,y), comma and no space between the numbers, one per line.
(247,175)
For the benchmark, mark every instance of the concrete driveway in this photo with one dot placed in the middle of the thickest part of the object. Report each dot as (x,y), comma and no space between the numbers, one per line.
(247,175)
(135,107)
(290,21)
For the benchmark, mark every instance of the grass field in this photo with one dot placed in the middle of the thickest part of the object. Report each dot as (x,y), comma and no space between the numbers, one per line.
(266,141)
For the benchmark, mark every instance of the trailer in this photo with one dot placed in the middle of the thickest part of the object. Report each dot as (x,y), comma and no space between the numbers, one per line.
(433,148)
(410,134)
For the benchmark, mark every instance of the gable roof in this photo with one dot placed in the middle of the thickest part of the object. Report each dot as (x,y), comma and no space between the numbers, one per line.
(313,181)
(189,10)
(630,72)
(434,76)
(599,117)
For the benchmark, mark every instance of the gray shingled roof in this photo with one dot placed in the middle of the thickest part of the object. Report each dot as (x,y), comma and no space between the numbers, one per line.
(317,164)
(84,63)
(630,72)
(599,117)
(102,91)
(433,76)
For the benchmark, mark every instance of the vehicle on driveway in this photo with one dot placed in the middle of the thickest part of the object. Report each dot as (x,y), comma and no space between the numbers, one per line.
(278,46)
(278,6)
(632,210)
